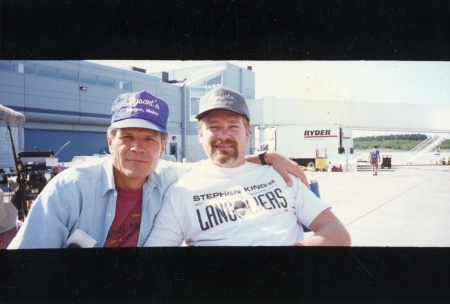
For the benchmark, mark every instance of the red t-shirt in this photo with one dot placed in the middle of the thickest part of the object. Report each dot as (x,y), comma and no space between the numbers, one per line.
(124,231)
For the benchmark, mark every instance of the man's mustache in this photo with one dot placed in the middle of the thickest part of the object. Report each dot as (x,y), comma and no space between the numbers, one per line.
(226,142)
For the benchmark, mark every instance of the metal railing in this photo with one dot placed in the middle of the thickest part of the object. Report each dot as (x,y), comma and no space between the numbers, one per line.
(426,146)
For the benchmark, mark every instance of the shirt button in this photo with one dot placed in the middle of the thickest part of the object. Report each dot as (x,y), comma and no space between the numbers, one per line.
(109,214)
(115,193)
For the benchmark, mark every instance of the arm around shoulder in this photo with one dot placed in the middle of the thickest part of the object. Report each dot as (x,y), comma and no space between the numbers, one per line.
(283,165)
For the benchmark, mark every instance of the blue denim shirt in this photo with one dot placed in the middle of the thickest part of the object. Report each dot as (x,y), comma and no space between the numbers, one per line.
(84,197)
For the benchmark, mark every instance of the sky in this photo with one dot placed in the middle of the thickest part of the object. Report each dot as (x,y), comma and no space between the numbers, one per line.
(406,82)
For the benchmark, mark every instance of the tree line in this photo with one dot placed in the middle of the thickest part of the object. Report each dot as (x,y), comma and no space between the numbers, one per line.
(397,142)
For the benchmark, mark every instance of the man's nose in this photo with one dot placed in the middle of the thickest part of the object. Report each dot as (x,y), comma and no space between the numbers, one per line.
(222,133)
(137,146)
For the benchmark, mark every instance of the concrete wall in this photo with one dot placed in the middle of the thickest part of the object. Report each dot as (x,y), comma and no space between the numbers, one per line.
(241,80)
(6,155)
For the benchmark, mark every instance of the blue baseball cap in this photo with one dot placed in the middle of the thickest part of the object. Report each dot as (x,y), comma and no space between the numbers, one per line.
(140,110)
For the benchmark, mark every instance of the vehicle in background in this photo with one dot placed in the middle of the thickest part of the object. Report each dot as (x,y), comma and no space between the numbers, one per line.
(313,146)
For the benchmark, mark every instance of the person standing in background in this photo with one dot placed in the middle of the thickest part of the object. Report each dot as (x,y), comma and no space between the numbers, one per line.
(374,159)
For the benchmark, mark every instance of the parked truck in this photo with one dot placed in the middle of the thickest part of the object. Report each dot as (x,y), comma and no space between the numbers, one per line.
(315,146)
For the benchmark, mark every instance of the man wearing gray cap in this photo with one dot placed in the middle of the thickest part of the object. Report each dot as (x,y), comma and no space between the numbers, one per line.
(230,202)
(113,202)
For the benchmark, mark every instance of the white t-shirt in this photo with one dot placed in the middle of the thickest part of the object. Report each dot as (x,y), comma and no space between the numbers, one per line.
(250,205)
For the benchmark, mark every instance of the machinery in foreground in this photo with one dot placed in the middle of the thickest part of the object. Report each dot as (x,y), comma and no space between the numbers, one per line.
(33,173)
(32,168)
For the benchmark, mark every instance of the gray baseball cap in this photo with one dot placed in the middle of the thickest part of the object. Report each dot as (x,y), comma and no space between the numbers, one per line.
(223,99)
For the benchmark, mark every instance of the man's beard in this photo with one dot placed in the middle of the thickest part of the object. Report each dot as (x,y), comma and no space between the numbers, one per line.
(221,157)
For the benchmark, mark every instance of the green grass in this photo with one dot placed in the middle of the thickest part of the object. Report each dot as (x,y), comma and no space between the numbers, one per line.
(395,142)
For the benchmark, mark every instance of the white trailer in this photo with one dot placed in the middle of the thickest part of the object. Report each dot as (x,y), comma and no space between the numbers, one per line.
(310,145)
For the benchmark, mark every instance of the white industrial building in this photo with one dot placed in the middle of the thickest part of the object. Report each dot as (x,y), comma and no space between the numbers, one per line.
(70,101)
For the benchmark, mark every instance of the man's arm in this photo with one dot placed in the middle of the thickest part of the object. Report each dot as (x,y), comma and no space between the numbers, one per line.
(44,228)
(283,165)
(328,231)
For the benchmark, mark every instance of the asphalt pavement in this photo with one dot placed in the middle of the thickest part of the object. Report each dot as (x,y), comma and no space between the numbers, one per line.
(402,206)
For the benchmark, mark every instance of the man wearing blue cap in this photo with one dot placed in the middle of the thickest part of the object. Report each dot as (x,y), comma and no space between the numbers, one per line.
(113,202)
(230,202)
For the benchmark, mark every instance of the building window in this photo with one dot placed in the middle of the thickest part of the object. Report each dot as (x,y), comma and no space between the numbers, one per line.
(23,68)
(106,82)
(214,83)
(122,85)
(47,72)
(126,86)
(200,88)
(195,106)
(5,65)
(68,75)
(88,79)
(51,72)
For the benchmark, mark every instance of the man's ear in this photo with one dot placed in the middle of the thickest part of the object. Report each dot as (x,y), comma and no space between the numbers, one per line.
(200,134)
(163,147)
(201,138)
(109,140)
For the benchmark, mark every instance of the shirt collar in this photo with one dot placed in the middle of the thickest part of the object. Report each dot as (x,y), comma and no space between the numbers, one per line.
(240,169)
(107,176)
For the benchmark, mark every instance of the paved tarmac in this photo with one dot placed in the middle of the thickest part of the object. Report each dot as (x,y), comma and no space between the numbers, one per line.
(402,206)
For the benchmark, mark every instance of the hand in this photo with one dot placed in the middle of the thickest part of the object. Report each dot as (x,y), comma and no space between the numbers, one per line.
(284,166)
